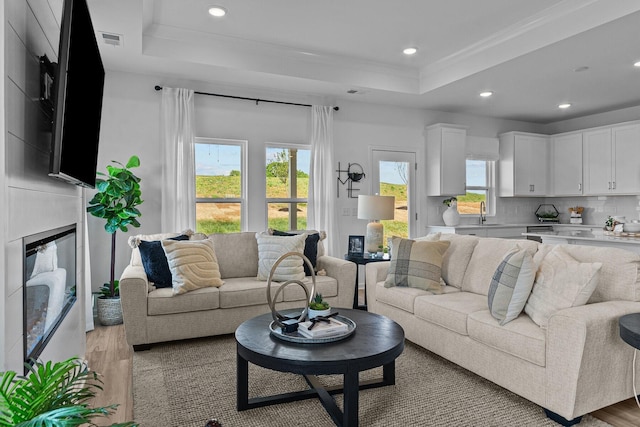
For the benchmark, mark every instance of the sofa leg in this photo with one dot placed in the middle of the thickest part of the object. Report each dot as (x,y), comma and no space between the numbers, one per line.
(141,347)
(561,420)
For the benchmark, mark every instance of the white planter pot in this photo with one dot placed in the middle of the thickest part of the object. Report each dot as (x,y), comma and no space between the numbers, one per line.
(109,311)
(313,313)
(451,217)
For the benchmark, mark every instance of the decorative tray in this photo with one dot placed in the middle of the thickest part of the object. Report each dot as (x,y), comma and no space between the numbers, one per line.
(298,338)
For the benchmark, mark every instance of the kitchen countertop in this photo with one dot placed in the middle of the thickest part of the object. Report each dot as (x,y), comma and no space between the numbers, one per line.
(530,224)
(588,236)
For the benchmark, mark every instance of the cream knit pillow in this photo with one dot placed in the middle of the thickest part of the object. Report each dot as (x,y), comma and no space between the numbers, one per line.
(193,264)
(270,248)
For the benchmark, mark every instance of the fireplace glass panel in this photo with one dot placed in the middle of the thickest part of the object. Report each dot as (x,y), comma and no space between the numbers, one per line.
(49,287)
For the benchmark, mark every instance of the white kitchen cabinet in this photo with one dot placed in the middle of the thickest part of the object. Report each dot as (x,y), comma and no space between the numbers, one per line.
(446,163)
(611,160)
(523,164)
(566,164)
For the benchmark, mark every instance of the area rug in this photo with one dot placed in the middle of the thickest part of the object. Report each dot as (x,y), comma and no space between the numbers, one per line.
(185,383)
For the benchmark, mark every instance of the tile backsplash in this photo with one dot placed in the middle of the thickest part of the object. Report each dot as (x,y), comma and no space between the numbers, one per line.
(510,210)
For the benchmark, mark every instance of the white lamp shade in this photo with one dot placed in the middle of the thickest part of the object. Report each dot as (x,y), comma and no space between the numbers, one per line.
(376,207)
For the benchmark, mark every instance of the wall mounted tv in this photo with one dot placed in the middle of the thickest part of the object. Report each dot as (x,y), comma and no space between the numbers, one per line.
(77,98)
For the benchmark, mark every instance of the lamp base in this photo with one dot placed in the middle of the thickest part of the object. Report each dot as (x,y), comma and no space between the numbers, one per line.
(374,238)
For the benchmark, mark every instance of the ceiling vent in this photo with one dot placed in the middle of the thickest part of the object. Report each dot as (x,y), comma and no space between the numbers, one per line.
(352,91)
(112,39)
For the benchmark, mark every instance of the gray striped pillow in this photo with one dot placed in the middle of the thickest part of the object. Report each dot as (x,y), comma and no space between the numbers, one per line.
(416,264)
(511,285)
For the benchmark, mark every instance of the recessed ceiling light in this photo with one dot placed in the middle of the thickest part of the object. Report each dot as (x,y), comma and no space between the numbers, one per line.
(410,51)
(486,94)
(217,11)
(581,69)
(564,106)
(637,64)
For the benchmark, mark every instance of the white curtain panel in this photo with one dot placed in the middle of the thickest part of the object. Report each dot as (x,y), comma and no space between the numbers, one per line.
(178,186)
(321,212)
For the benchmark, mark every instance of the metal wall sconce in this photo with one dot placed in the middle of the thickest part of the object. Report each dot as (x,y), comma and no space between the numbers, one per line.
(354,173)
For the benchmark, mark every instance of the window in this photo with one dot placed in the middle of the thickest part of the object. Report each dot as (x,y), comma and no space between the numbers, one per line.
(287,189)
(480,188)
(220,185)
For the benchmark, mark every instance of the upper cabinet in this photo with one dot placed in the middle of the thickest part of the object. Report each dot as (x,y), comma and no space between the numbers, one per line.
(446,163)
(611,160)
(523,164)
(566,164)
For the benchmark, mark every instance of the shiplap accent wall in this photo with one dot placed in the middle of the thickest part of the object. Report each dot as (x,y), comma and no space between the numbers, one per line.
(34,202)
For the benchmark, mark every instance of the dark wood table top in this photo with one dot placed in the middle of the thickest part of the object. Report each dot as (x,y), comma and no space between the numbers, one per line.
(630,329)
(376,341)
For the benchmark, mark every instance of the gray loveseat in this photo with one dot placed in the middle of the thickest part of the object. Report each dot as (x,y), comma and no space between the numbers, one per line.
(576,365)
(154,315)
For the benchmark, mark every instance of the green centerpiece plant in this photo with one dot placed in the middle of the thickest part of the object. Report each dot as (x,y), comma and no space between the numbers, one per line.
(118,195)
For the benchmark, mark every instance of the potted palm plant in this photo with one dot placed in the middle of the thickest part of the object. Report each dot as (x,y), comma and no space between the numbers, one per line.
(116,201)
(52,394)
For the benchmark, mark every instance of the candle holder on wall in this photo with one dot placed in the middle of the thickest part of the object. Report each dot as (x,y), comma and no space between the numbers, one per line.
(354,173)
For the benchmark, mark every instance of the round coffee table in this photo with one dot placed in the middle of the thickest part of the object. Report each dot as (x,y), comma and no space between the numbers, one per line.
(377,341)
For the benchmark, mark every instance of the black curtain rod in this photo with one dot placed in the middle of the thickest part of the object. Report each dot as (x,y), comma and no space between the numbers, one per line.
(257,100)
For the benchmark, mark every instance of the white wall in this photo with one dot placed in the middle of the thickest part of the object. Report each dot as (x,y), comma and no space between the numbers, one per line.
(34,202)
(131,122)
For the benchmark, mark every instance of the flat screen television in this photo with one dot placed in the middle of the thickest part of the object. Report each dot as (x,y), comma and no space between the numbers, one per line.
(77,99)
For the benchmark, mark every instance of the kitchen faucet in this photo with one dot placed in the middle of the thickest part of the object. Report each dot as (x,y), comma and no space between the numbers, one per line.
(483,211)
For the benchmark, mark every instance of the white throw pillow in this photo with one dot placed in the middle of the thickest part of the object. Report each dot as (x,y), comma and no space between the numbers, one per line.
(561,282)
(193,264)
(511,285)
(46,259)
(270,248)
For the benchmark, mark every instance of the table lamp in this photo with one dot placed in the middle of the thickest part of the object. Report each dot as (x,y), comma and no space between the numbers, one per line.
(375,208)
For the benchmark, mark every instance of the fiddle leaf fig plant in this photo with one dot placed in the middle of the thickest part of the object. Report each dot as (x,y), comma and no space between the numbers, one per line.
(116,201)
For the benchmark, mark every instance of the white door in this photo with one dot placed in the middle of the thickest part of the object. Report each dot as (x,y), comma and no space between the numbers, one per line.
(394,174)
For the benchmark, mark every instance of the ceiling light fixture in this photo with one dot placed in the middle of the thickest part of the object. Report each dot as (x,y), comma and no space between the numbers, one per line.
(564,106)
(637,64)
(486,94)
(410,51)
(217,11)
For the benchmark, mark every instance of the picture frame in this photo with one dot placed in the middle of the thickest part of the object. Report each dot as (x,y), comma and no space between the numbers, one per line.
(356,245)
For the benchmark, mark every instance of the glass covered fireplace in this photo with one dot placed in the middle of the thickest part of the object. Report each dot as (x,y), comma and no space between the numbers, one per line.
(49,286)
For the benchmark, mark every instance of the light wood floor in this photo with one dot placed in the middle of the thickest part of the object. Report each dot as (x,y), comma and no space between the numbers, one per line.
(109,355)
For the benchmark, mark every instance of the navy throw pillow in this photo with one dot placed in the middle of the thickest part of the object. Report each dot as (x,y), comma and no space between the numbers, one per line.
(155,261)
(310,248)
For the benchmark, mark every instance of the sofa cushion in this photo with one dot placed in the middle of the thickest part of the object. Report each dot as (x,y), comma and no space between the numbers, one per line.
(619,279)
(310,248)
(511,285)
(561,282)
(154,261)
(237,254)
(325,285)
(455,260)
(521,337)
(416,264)
(163,301)
(245,291)
(403,297)
(193,264)
(271,248)
(449,310)
(487,255)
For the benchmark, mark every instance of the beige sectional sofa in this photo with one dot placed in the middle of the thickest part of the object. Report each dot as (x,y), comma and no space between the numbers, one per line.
(576,364)
(154,315)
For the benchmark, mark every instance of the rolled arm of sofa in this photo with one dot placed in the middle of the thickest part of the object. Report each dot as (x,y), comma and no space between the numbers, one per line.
(374,272)
(588,364)
(134,289)
(345,273)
